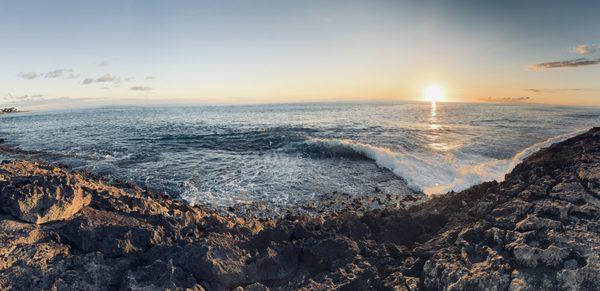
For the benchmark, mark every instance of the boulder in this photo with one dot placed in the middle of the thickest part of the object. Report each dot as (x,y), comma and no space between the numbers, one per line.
(41,196)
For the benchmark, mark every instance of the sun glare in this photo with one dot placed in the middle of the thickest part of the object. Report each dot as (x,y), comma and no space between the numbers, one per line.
(433,93)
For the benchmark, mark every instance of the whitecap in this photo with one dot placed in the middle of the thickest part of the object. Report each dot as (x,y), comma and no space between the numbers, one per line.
(438,172)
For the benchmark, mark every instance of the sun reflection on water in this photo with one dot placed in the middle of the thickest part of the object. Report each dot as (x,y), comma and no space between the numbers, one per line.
(434,128)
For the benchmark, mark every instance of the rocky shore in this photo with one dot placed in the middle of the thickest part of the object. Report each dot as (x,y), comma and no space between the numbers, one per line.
(9,110)
(539,229)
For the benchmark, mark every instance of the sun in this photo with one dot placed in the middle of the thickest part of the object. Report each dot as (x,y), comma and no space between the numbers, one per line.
(433,93)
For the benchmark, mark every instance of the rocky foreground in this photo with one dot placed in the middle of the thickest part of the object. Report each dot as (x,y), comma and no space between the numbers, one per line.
(537,230)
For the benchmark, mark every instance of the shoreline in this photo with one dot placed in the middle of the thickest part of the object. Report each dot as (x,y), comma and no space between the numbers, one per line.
(537,229)
(42,156)
(325,203)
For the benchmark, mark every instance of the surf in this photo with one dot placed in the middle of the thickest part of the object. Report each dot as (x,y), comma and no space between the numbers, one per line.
(434,173)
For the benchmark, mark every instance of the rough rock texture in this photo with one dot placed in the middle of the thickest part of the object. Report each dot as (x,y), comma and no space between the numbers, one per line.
(537,230)
(40,194)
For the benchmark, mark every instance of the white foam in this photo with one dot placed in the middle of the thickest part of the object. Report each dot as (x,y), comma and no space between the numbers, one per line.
(440,172)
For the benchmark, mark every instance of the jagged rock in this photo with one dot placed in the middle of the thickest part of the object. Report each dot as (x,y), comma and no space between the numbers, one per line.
(397,281)
(109,233)
(447,270)
(532,222)
(40,195)
(329,253)
(161,276)
(252,287)
(585,278)
(277,263)
(531,280)
(573,192)
(532,257)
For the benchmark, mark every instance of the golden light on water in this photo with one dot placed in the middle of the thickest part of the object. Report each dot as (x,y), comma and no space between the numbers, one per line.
(433,93)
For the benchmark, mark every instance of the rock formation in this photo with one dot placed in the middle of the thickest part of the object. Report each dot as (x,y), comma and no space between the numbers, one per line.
(40,194)
(537,230)
(9,110)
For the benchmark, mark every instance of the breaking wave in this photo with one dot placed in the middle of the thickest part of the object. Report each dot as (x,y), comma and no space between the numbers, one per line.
(433,172)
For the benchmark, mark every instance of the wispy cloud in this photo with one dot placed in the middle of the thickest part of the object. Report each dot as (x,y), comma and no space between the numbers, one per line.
(141,88)
(506,99)
(547,90)
(103,63)
(592,53)
(150,78)
(106,78)
(566,64)
(29,75)
(21,98)
(58,73)
(584,49)
(87,81)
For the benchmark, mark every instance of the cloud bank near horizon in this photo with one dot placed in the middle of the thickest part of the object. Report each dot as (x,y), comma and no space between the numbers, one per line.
(506,99)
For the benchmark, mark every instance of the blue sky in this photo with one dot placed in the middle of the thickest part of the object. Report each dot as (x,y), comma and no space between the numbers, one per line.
(69,53)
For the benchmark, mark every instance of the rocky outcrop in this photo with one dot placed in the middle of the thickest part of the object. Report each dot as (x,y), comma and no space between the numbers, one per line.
(8,110)
(40,194)
(536,230)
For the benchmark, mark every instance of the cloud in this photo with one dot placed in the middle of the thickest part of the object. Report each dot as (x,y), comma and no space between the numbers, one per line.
(546,90)
(45,101)
(87,81)
(23,98)
(150,78)
(103,63)
(141,88)
(592,53)
(566,64)
(58,73)
(106,78)
(584,49)
(29,75)
(506,99)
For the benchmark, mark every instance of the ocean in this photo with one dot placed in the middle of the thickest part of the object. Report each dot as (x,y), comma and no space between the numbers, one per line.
(286,154)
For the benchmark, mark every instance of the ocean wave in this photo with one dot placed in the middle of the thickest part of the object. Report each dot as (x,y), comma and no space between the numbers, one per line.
(255,140)
(434,172)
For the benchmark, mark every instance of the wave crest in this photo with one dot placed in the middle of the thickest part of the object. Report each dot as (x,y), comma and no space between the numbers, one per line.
(435,173)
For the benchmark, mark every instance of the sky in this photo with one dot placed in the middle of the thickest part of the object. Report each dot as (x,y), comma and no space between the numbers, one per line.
(80,53)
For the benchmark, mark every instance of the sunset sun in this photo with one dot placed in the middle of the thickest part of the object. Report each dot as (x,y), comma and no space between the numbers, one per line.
(433,93)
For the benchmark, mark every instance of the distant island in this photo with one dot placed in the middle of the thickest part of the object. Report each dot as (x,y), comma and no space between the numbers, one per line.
(8,110)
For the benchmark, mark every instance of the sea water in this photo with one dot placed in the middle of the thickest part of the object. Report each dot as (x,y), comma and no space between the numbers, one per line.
(290,153)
